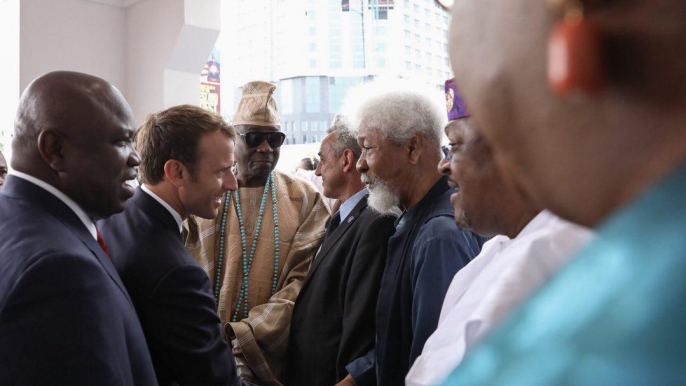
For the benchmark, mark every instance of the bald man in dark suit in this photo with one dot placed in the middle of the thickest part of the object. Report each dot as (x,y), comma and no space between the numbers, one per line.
(65,316)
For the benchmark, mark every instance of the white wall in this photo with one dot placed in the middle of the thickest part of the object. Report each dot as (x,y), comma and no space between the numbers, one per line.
(151,50)
(9,69)
(72,35)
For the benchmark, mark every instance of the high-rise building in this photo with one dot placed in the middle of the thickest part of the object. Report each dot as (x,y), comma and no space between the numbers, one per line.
(316,50)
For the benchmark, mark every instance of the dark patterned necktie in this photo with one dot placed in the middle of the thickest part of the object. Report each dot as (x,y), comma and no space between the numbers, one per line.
(103,244)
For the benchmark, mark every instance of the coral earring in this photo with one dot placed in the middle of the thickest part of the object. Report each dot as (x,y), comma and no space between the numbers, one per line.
(575,57)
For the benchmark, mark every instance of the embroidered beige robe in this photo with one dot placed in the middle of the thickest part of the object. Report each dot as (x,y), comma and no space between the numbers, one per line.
(263,333)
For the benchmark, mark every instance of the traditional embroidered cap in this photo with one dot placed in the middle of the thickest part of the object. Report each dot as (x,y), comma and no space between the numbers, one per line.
(257,105)
(454,104)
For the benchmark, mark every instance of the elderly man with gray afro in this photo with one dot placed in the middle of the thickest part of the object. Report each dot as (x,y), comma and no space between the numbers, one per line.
(399,131)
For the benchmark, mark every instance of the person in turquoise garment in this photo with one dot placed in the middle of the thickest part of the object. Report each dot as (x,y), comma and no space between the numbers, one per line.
(583,102)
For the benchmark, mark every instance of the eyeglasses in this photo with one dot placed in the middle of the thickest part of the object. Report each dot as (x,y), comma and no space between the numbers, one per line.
(255,138)
(455,147)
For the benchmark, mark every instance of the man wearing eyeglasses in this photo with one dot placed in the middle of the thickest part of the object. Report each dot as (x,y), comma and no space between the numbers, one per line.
(529,246)
(259,248)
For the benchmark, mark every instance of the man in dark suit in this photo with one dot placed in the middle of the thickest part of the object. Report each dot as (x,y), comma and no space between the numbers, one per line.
(65,316)
(333,317)
(186,159)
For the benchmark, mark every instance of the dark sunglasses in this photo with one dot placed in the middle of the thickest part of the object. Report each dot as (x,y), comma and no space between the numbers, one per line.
(255,138)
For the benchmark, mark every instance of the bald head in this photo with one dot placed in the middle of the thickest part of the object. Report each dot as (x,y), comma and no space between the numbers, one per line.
(74,131)
(619,128)
(66,101)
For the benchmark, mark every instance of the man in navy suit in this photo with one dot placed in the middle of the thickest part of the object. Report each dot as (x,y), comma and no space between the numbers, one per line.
(186,159)
(333,317)
(65,316)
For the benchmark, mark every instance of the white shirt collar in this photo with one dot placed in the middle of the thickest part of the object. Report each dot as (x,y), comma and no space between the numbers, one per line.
(175,214)
(350,203)
(87,221)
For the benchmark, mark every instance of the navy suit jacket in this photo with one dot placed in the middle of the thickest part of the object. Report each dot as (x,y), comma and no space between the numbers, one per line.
(333,317)
(65,316)
(171,293)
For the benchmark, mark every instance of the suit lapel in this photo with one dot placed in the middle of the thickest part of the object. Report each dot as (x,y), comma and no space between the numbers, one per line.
(335,236)
(27,191)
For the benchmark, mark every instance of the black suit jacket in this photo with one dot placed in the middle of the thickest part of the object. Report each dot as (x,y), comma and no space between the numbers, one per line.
(65,316)
(333,317)
(171,293)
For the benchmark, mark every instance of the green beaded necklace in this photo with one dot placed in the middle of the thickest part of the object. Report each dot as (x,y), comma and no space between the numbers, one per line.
(248,259)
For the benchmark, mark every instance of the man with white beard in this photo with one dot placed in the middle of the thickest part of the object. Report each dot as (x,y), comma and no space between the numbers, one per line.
(400,134)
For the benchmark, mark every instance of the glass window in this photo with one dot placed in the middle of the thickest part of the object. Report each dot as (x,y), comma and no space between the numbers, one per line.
(408,50)
(416,8)
(416,23)
(313,63)
(304,138)
(381,63)
(313,47)
(324,127)
(408,66)
(304,126)
(381,47)
(312,94)
(313,31)
(407,34)
(380,30)
(286,97)
(407,18)
(417,67)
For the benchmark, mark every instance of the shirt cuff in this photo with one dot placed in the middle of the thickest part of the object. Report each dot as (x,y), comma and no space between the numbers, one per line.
(363,369)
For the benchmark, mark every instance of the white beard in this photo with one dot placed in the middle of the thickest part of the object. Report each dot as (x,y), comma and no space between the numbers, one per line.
(382,198)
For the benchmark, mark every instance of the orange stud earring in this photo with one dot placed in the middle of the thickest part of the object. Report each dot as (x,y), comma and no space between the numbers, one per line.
(574,53)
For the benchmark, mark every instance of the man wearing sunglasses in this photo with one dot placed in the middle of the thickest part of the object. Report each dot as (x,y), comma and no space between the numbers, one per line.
(259,248)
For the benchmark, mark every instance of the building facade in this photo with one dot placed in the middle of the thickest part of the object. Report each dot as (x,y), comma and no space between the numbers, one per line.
(316,50)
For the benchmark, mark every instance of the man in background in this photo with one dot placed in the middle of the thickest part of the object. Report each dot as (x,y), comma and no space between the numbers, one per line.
(334,313)
(259,247)
(401,147)
(529,246)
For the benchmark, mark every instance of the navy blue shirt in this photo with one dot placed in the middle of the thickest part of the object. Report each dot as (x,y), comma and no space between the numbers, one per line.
(423,256)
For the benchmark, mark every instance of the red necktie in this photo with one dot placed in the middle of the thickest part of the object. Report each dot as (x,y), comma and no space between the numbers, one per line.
(103,244)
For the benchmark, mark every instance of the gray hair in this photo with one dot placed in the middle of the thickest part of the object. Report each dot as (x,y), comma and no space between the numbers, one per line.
(402,114)
(346,137)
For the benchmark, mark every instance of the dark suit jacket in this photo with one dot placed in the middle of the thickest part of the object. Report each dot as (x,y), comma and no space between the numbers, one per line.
(65,316)
(171,293)
(333,317)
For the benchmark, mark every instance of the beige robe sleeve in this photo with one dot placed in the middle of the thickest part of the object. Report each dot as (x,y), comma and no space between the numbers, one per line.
(263,335)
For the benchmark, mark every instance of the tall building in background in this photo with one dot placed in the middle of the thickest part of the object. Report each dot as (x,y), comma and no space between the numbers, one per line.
(315,50)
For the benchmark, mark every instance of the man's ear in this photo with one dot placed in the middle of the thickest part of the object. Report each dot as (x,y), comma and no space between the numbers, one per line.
(349,161)
(52,146)
(176,172)
(414,148)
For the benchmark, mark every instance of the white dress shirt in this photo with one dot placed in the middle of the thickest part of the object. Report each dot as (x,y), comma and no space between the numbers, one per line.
(87,221)
(489,288)
(175,214)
